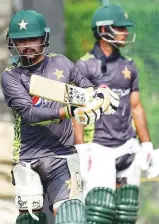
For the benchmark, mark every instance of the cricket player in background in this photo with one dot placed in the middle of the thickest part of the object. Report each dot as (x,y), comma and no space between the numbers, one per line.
(45,158)
(114,139)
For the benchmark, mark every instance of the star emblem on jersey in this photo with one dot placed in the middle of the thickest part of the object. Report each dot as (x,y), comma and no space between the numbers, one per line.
(68,182)
(22,25)
(58,73)
(127,73)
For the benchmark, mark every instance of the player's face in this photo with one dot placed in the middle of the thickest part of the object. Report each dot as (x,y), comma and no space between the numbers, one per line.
(121,34)
(30,48)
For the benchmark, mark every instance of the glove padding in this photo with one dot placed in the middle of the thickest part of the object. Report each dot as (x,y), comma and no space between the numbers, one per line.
(90,113)
(111,100)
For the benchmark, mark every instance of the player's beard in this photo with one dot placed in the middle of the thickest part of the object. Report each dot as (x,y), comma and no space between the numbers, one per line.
(31,57)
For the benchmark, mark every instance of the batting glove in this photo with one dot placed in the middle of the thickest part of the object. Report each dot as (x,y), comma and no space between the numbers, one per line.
(88,114)
(111,100)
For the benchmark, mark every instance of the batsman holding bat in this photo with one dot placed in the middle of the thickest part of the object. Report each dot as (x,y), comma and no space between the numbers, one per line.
(45,158)
(114,151)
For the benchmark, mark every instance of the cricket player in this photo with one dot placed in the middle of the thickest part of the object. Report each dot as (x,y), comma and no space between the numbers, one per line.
(45,158)
(114,151)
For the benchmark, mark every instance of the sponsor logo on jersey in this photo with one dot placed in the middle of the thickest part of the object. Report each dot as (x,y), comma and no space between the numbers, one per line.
(37,101)
(122,92)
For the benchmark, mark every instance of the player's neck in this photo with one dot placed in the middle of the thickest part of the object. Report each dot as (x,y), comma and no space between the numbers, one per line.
(106,48)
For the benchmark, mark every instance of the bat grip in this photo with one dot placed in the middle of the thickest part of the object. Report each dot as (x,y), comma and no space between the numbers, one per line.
(69,111)
(72,108)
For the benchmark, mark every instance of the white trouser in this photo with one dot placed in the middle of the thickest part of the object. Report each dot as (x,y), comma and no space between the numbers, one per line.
(98,165)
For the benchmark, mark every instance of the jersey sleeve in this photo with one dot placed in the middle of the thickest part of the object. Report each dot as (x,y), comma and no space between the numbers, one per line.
(83,68)
(135,79)
(18,98)
(77,77)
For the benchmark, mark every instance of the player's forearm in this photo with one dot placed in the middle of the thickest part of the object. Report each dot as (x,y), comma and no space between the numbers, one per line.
(139,118)
(64,113)
(33,114)
(78,132)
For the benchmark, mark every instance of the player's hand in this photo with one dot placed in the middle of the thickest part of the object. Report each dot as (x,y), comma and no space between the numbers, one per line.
(88,114)
(111,99)
(149,162)
(147,158)
(153,170)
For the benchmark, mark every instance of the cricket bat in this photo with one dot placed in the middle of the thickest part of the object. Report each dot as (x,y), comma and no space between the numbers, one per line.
(60,92)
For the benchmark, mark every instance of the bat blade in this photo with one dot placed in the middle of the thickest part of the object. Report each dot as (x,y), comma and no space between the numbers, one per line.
(58,91)
(48,89)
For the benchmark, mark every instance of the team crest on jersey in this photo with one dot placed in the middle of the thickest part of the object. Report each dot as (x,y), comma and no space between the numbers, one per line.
(127,73)
(58,73)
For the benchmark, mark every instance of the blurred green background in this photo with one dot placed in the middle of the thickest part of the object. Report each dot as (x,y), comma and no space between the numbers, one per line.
(145,52)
